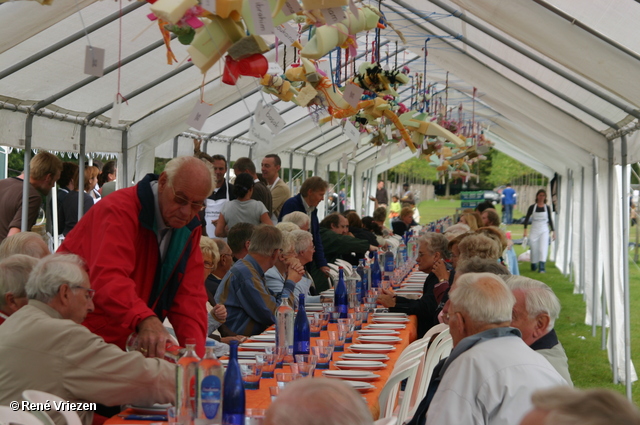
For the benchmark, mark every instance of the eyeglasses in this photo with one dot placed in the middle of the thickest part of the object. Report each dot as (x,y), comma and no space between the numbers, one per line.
(89,294)
(195,206)
(208,265)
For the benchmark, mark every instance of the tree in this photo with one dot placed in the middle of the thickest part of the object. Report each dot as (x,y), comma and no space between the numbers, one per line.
(505,169)
(414,167)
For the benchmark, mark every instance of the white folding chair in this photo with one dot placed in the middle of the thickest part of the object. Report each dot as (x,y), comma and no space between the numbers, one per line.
(434,330)
(9,416)
(35,396)
(386,421)
(388,398)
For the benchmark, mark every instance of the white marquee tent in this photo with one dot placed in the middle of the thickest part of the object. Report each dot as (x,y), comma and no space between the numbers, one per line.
(554,84)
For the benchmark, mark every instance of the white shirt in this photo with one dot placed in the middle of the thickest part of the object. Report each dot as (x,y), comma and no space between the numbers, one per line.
(491,384)
(164,231)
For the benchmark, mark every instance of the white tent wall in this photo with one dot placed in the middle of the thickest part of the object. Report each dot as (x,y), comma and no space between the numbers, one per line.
(562,226)
(541,29)
(613,253)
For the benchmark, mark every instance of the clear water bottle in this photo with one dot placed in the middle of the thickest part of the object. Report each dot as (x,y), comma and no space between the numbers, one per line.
(376,275)
(233,401)
(186,383)
(301,330)
(359,286)
(389,266)
(363,271)
(284,325)
(209,388)
(341,299)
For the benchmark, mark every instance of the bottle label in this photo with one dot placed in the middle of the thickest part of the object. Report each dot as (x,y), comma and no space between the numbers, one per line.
(192,394)
(210,396)
(302,347)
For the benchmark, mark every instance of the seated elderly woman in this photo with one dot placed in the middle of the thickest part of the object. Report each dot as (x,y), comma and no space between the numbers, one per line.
(304,249)
(479,246)
(496,234)
(432,256)
(27,243)
(298,218)
(276,276)
(403,223)
(286,226)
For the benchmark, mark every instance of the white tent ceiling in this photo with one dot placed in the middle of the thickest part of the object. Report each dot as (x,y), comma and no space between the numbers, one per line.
(551,92)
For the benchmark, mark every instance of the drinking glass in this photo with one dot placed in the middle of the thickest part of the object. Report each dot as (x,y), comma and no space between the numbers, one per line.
(357,320)
(274,391)
(339,338)
(306,364)
(315,326)
(284,378)
(251,373)
(323,353)
(328,307)
(254,416)
(325,320)
(346,325)
(334,316)
(268,364)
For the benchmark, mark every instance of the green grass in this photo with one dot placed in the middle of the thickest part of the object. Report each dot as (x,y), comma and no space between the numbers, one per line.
(588,363)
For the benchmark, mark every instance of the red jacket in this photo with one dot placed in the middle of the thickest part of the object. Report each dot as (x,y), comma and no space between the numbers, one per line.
(118,242)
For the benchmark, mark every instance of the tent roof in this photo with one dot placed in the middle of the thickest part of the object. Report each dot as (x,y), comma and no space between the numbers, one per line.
(530,110)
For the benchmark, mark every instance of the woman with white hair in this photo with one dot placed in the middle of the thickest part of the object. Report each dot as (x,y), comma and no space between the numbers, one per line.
(298,218)
(304,249)
(276,276)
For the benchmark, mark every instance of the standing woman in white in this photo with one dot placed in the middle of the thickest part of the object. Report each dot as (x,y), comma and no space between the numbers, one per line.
(541,231)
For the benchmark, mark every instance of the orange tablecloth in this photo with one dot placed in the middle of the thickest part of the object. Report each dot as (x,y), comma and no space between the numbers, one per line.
(261,398)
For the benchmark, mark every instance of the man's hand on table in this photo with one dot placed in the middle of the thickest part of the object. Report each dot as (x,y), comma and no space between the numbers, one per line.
(387,298)
(152,337)
(228,339)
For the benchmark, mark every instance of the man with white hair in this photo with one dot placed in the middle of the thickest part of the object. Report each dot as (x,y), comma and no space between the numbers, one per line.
(14,273)
(251,306)
(43,347)
(298,218)
(534,314)
(318,401)
(142,247)
(27,243)
(491,373)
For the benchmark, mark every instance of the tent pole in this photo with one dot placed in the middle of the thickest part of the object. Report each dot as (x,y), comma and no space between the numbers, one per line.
(228,162)
(568,226)
(291,171)
(74,37)
(612,258)
(125,158)
(304,167)
(174,152)
(326,193)
(315,166)
(28,135)
(496,58)
(582,232)
(625,266)
(594,253)
(552,67)
(81,159)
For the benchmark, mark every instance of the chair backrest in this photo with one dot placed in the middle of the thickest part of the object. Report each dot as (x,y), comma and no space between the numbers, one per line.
(434,330)
(35,396)
(9,416)
(386,421)
(388,397)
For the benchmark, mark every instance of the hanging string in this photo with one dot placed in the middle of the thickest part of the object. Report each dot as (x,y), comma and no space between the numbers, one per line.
(378,33)
(446,95)
(473,114)
(118,94)
(395,66)
(338,67)
(284,58)
(346,64)
(366,47)
(277,49)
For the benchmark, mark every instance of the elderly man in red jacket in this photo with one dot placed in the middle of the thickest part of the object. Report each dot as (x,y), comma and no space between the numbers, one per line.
(141,245)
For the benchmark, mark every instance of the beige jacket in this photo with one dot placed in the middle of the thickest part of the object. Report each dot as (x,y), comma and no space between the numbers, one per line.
(279,194)
(40,350)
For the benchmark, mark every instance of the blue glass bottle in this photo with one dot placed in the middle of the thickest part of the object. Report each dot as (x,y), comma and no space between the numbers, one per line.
(364,280)
(233,402)
(389,266)
(341,300)
(301,330)
(376,275)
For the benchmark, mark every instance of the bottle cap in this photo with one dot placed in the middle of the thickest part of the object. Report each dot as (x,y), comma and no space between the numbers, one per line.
(190,341)
(210,343)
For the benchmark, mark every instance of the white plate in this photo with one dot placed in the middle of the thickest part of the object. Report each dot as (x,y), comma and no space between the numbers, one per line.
(263,338)
(271,332)
(371,348)
(378,332)
(409,293)
(353,375)
(386,326)
(359,365)
(225,362)
(365,356)
(313,308)
(384,319)
(389,314)
(248,354)
(412,285)
(363,387)
(151,410)
(256,345)
(379,338)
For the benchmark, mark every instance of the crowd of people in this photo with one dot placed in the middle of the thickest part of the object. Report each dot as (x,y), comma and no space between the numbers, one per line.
(146,255)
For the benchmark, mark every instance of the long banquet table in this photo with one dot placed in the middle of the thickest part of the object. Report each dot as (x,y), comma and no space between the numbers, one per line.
(261,398)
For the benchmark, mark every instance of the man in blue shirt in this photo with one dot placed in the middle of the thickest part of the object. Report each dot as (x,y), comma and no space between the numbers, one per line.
(508,201)
(250,304)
